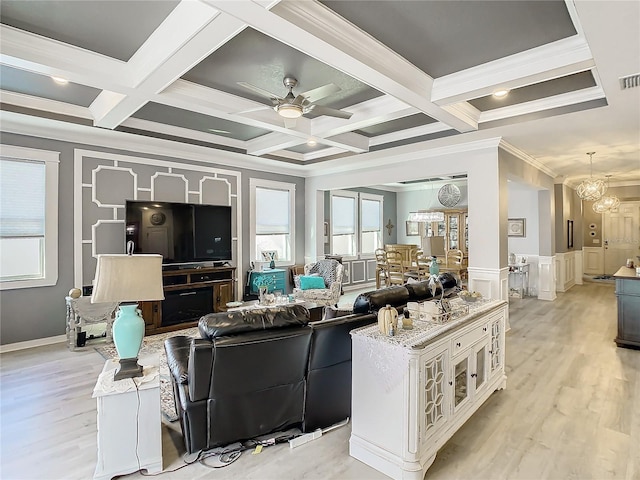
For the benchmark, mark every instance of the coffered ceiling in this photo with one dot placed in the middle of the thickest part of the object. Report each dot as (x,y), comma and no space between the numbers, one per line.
(408,72)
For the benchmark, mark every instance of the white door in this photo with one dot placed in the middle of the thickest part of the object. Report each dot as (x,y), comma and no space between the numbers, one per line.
(621,236)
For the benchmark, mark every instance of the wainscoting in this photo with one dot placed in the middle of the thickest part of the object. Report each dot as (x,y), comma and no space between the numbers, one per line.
(565,271)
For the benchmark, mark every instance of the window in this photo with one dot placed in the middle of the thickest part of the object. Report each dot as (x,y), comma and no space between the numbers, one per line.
(344,218)
(272,219)
(370,223)
(28,217)
(356,223)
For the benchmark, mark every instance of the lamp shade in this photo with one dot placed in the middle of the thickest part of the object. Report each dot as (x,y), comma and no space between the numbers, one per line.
(128,278)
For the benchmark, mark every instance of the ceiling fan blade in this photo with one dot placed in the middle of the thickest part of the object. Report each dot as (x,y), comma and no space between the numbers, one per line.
(331,112)
(290,122)
(299,100)
(320,92)
(271,96)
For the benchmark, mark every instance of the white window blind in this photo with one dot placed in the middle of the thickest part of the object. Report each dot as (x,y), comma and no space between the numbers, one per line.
(272,219)
(371,215)
(28,217)
(272,211)
(344,218)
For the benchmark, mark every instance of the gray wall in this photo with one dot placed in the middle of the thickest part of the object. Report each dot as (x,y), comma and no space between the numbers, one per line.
(32,313)
(568,207)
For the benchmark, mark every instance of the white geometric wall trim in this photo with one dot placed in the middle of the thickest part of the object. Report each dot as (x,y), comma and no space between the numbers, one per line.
(371,270)
(105,217)
(358,268)
(99,228)
(205,194)
(489,282)
(163,178)
(96,173)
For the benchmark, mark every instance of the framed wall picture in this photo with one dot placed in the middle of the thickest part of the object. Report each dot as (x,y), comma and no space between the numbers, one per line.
(569,233)
(413,228)
(516,227)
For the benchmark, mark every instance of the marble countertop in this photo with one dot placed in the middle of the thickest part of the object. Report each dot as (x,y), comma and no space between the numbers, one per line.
(625,272)
(425,331)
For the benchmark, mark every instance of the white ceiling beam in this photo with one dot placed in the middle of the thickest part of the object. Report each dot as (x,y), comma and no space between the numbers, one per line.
(320,33)
(174,131)
(409,133)
(44,56)
(272,142)
(44,104)
(557,59)
(191,32)
(557,101)
(352,142)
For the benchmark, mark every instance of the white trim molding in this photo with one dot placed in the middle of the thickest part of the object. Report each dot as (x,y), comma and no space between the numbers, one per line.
(38,342)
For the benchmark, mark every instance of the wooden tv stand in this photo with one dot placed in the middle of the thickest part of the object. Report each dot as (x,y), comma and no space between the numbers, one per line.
(189,293)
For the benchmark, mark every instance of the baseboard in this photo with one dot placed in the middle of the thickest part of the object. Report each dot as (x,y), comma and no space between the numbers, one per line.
(39,342)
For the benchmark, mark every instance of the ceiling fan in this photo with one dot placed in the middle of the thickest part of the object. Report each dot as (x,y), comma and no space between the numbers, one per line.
(293,106)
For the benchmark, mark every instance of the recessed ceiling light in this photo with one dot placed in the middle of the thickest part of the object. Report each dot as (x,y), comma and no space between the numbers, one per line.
(500,93)
(311,142)
(59,80)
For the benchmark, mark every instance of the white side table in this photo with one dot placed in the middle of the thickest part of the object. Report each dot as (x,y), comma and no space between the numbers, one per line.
(129,424)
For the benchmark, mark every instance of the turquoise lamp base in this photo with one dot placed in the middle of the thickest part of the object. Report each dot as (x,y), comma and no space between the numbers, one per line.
(128,332)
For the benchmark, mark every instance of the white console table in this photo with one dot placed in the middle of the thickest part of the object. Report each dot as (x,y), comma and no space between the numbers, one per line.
(129,423)
(426,383)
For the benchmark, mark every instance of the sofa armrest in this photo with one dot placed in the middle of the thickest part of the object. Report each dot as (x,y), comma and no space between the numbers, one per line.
(177,350)
(200,366)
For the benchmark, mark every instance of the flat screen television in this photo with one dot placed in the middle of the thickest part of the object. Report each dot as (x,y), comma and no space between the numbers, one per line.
(180,232)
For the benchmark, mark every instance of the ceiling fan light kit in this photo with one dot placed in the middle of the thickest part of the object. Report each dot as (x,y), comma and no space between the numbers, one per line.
(592,188)
(294,106)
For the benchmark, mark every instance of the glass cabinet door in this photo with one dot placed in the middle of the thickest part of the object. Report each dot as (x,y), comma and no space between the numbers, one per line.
(461,382)
(441,229)
(453,232)
(466,232)
(481,366)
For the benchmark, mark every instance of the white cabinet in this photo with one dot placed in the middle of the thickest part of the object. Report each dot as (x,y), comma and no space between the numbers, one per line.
(426,383)
(129,423)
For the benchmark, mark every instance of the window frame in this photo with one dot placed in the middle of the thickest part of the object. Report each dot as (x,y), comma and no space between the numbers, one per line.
(354,196)
(51,162)
(375,198)
(255,183)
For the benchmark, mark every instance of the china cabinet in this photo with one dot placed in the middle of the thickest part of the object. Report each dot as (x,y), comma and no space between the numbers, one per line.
(427,382)
(454,228)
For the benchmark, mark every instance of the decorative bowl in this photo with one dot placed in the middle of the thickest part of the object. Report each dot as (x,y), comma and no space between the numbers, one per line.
(469,297)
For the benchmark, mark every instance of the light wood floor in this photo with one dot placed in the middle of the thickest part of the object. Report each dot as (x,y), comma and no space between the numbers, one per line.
(570,411)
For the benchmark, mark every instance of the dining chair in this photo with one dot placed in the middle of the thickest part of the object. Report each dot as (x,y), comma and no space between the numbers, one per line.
(381,268)
(395,268)
(455,263)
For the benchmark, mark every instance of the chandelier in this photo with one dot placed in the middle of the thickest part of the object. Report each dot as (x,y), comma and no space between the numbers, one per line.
(606,202)
(592,188)
(424,216)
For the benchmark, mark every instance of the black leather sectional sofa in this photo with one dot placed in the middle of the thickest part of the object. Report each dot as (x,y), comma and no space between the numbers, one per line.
(254,372)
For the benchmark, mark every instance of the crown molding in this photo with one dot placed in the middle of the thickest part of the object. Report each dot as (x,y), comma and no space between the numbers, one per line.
(525,157)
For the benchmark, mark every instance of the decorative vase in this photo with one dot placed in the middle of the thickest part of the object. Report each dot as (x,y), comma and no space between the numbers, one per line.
(434,269)
(272,264)
(262,291)
(512,259)
(387,320)
(128,331)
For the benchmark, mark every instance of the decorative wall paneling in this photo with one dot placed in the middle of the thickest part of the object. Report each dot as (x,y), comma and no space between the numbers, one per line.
(593,259)
(547,277)
(103,181)
(565,271)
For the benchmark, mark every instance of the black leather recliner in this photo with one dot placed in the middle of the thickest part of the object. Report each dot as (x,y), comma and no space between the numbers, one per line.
(246,377)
